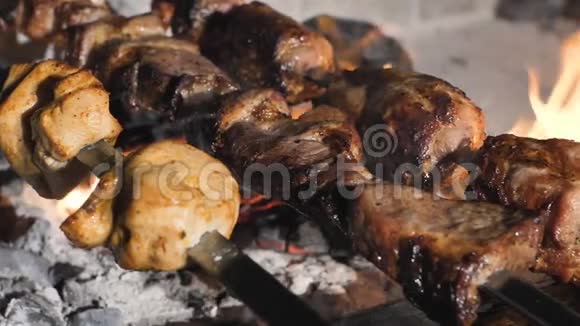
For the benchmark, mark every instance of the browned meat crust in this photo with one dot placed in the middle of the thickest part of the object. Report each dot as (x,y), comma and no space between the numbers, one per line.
(85,44)
(360,44)
(256,131)
(538,175)
(441,251)
(261,47)
(7,14)
(415,127)
(43,18)
(188,17)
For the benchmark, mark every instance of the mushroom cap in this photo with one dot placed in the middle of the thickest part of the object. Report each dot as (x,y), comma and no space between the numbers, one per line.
(172,194)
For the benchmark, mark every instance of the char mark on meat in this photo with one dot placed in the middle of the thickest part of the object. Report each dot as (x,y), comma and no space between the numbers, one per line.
(538,175)
(417,129)
(359,44)
(256,131)
(39,19)
(261,47)
(441,251)
(87,45)
(157,81)
(187,18)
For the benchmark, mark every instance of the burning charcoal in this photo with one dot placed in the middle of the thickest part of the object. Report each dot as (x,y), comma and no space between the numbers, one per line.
(21,264)
(260,47)
(538,174)
(525,10)
(415,128)
(359,44)
(97,317)
(35,309)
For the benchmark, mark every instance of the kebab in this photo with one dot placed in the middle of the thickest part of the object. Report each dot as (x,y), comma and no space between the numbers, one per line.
(538,175)
(165,205)
(470,287)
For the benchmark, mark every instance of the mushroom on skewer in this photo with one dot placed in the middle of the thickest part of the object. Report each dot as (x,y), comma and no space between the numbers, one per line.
(169,195)
(49,111)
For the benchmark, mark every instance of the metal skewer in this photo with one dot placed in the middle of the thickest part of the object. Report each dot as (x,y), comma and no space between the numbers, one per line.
(531,302)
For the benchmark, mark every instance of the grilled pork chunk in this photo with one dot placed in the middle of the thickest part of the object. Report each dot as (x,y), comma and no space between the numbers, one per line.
(416,128)
(161,75)
(538,175)
(188,17)
(441,251)
(49,111)
(41,18)
(258,139)
(359,44)
(7,14)
(170,196)
(260,47)
(84,44)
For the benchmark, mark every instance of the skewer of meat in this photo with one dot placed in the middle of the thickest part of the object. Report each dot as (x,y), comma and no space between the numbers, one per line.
(166,204)
(538,175)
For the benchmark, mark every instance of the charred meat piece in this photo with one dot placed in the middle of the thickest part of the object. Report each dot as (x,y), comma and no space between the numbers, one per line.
(49,111)
(416,129)
(441,251)
(84,44)
(359,44)
(263,48)
(538,175)
(188,17)
(164,80)
(171,194)
(43,18)
(7,14)
(284,158)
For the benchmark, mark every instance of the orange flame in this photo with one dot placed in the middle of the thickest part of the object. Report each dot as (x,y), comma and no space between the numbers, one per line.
(559,116)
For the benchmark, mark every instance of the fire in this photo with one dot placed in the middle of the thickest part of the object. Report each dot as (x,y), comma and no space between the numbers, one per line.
(559,116)
(74,199)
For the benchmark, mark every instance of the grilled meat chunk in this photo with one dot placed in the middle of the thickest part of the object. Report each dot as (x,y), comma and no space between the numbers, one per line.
(43,18)
(159,80)
(441,251)
(188,17)
(7,14)
(359,44)
(417,129)
(170,196)
(49,111)
(538,175)
(263,48)
(84,44)
(285,158)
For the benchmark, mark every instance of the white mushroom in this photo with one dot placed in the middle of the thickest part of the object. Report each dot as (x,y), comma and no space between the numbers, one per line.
(172,194)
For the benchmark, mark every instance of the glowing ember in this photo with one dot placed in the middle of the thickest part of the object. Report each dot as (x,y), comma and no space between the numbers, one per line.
(74,199)
(560,115)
